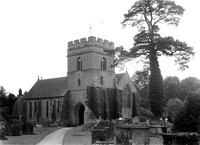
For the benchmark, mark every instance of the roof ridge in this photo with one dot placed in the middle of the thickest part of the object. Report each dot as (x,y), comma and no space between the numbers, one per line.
(52,78)
(48,88)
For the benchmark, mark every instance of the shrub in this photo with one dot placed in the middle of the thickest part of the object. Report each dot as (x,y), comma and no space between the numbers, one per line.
(181,138)
(186,139)
(187,119)
(145,114)
(172,108)
(27,128)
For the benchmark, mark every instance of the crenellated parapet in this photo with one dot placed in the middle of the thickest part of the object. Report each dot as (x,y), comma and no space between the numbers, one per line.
(91,41)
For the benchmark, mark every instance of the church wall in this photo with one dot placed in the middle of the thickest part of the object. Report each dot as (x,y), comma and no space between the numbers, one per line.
(85,78)
(86,62)
(97,61)
(77,97)
(89,76)
(124,81)
(43,111)
(108,79)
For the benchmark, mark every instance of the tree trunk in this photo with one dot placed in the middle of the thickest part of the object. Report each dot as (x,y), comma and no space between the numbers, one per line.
(156,95)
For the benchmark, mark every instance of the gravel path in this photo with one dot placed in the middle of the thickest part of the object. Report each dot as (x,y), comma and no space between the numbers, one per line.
(29,139)
(76,136)
(54,138)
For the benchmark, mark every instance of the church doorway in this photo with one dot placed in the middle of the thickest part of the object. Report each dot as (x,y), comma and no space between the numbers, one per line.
(81,114)
(80,109)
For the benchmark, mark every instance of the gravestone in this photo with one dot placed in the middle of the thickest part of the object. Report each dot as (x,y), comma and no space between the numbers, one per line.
(2,128)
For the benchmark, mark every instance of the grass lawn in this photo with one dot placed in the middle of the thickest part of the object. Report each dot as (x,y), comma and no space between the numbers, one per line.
(24,139)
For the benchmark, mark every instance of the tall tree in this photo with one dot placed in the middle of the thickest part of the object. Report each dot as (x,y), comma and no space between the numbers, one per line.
(146,15)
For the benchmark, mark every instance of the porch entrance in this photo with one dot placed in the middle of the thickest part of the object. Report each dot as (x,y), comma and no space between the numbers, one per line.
(79,114)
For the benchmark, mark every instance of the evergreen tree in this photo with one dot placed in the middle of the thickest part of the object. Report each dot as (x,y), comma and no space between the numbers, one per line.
(3,99)
(146,15)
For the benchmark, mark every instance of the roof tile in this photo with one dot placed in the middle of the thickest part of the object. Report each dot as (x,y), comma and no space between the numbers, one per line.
(55,87)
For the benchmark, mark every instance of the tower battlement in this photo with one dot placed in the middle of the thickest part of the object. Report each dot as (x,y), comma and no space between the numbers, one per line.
(91,41)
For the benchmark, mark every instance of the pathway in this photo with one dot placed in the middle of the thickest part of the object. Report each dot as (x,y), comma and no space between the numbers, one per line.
(54,138)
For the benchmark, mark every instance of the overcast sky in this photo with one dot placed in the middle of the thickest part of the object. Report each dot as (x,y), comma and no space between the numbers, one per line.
(34,36)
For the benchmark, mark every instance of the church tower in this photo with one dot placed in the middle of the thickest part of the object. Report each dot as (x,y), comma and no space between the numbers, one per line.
(90,63)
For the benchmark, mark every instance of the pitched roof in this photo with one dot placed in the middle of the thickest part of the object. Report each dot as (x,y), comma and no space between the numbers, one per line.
(55,87)
(119,77)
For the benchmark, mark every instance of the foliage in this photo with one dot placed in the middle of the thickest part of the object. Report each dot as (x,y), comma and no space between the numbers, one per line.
(149,45)
(172,87)
(141,78)
(145,114)
(186,138)
(181,138)
(141,81)
(6,101)
(188,118)
(3,102)
(173,107)
(189,85)
(11,99)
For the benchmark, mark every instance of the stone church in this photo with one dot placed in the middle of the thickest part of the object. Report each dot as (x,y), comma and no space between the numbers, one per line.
(91,89)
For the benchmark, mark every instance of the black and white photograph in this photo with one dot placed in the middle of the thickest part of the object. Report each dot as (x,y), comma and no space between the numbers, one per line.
(99,72)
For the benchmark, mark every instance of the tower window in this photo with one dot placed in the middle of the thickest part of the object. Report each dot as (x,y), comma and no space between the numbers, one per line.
(79,82)
(103,64)
(79,64)
(101,80)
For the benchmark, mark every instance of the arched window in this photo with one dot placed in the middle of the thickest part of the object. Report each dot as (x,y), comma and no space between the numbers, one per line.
(101,80)
(30,109)
(47,109)
(58,106)
(103,64)
(79,64)
(35,107)
(127,96)
(79,82)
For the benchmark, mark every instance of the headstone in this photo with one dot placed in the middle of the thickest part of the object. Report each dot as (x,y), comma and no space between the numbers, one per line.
(2,128)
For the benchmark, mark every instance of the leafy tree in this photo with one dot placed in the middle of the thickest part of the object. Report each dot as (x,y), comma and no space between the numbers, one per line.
(173,107)
(141,80)
(146,15)
(187,119)
(172,87)
(3,100)
(189,85)
(145,114)
(10,102)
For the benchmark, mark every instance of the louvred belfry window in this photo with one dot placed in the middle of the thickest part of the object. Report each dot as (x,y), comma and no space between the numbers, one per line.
(79,64)
(103,64)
